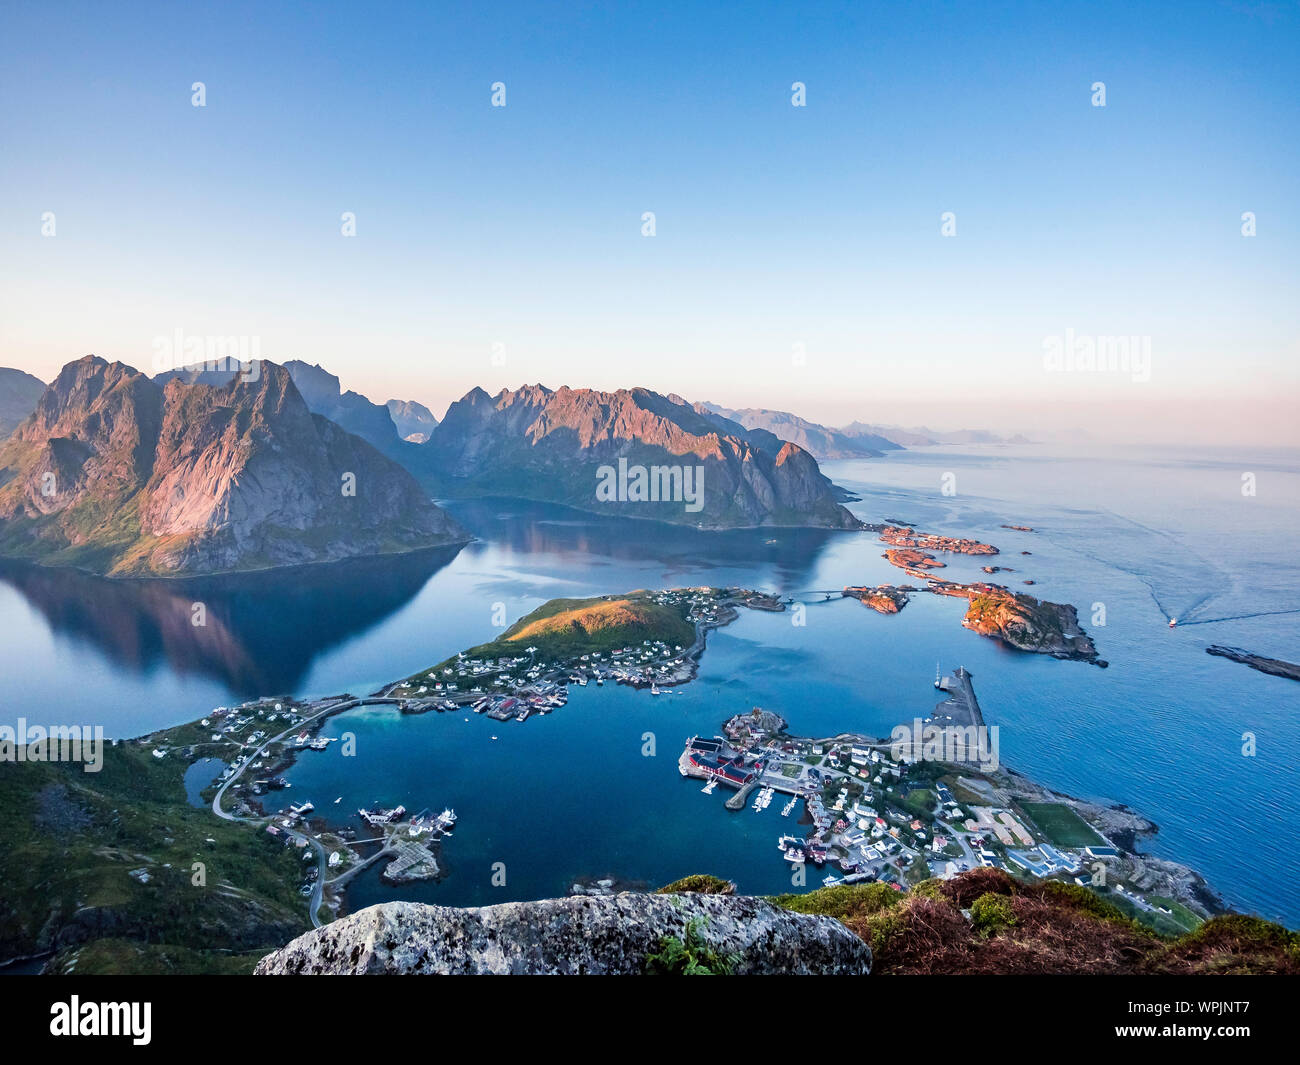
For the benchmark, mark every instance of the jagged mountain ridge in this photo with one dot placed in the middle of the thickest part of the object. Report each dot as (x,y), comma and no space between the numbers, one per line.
(354,412)
(114,473)
(376,423)
(19,392)
(535,443)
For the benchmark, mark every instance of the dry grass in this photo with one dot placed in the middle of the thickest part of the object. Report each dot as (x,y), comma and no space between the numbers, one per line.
(1044,928)
(620,612)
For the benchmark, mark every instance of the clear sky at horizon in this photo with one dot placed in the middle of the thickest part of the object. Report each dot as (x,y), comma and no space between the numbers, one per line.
(501,245)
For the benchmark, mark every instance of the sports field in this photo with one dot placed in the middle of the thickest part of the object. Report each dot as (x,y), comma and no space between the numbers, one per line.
(1061,825)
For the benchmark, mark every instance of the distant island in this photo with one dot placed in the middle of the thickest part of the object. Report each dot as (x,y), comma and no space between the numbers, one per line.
(1016,618)
(857,440)
(564,628)
(820,441)
(654,639)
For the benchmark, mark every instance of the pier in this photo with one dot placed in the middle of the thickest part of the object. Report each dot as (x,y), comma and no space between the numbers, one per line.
(342,879)
(738,801)
(961,708)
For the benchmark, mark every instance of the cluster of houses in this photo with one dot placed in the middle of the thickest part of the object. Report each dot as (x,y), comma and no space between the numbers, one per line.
(859,801)
(704,606)
(653,662)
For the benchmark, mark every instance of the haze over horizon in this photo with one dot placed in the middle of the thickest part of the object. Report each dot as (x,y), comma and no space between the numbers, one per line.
(797,261)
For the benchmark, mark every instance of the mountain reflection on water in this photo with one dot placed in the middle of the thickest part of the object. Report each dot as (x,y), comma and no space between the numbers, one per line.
(262,632)
(259,631)
(566,537)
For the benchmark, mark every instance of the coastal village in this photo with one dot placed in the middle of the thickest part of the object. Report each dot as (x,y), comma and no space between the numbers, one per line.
(859,809)
(259,740)
(852,807)
(520,685)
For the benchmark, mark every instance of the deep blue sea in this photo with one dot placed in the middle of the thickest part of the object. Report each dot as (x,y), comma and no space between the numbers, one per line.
(1144,534)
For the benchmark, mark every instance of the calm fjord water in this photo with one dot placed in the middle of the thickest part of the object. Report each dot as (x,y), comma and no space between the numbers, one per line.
(1147,535)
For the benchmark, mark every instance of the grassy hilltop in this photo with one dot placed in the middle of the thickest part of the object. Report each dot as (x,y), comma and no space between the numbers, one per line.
(566,629)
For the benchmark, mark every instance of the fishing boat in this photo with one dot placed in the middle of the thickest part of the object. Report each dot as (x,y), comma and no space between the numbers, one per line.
(1173,622)
(831,880)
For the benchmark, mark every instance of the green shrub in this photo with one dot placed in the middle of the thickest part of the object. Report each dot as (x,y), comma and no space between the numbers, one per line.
(842,900)
(691,958)
(991,913)
(929,889)
(1081,898)
(698,884)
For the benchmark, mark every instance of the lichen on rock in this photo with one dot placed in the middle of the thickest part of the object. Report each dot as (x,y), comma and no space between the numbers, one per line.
(612,935)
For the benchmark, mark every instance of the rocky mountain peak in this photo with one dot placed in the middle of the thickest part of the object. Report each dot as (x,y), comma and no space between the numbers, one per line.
(116,474)
(536,443)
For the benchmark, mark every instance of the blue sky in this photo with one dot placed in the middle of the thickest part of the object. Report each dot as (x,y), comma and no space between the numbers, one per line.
(776,226)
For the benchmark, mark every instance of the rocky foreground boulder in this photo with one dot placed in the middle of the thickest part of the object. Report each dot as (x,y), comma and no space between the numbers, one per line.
(611,935)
